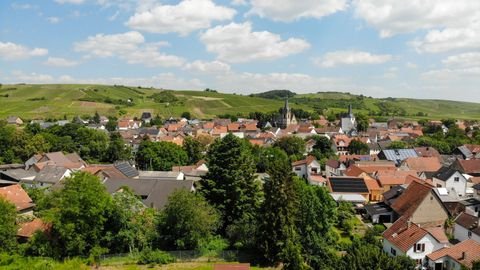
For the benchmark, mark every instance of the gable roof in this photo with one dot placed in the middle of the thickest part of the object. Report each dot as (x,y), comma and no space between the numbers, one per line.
(411,198)
(50,174)
(347,185)
(306,161)
(390,177)
(423,164)
(126,169)
(16,195)
(398,155)
(444,173)
(404,235)
(154,192)
(27,229)
(469,222)
(469,166)
(465,253)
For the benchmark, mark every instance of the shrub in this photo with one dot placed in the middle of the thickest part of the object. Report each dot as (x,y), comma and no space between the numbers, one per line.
(149,256)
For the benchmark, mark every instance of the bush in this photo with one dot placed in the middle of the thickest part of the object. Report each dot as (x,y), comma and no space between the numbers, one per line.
(149,256)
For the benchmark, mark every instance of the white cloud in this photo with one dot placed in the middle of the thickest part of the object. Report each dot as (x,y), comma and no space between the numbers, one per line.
(456,67)
(75,2)
(59,62)
(129,46)
(411,65)
(239,2)
(23,6)
(289,10)
(184,18)
(162,80)
(448,39)
(237,43)
(12,51)
(214,67)
(339,58)
(463,60)
(53,20)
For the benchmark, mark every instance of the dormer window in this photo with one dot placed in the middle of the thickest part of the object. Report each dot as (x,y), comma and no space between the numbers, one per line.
(456,179)
(418,248)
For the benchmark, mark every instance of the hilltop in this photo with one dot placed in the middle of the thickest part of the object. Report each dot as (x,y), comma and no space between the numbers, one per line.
(57,100)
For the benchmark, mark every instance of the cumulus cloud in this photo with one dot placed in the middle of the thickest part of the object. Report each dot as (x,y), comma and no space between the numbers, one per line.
(289,10)
(455,67)
(237,43)
(53,20)
(59,62)
(130,47)
(183,18)
(12,51)
(340,58)
(213,67)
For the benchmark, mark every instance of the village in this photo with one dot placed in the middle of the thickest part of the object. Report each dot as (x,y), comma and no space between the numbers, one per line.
(428,202)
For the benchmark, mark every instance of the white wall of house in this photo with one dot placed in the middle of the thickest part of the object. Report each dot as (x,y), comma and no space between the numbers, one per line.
(431,245)
(461,234)
(473,210)
(305,170)
(456,182)
(300,170)
(447,262)
(389,247)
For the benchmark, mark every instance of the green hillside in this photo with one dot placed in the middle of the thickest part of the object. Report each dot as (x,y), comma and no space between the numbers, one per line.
(55,101)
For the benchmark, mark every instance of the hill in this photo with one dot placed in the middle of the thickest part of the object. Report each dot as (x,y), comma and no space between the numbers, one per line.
(59,100)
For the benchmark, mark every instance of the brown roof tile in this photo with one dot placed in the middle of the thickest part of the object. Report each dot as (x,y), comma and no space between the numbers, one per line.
(27,229)
(411,198)
(465,253)
(423,164)
(16,195)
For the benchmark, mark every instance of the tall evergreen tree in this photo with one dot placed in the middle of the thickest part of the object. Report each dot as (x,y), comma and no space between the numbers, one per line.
(230,184)
(277,239)
(7,226)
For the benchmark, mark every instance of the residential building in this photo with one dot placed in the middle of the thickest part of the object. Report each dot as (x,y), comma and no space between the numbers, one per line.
(307,168)
(467,227)
(456,257)
(451,179)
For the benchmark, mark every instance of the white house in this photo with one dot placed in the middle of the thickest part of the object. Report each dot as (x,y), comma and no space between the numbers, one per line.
(308,168)
(452,180)
(334,167)
(405,238)
(466,227)
(453,258)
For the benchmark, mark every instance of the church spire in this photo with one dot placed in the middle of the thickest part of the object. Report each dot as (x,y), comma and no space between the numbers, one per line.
(350,113)
(286,108)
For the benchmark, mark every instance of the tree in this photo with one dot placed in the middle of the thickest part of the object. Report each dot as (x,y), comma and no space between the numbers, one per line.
(398,145)
(79,221)
(194,150)
(362,122)
(96,118)
(135,224)
(111,124)
(359,148)
(277,238)
(315,216)
(8,228)
(37,144)
(186,221)
(117,150)
(230,184)
(160,156)
(186,115)
(292,145)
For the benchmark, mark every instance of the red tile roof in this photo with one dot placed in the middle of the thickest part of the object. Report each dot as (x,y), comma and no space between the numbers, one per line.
(465,253)
(389,177)
(27,229)
(16,195)
(423,164)
(411,198)
(403,235)
(306,161)
(470,166)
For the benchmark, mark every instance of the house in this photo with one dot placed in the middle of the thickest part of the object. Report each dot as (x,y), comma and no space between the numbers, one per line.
(153,192)
(16,195)
(421,204)
(463,254)
(146,117)
(334,167)
(397,155)
(379,213)
(14,120)
(104,171)
(161,175)
(70,161)
(421,164)
(467,151)
(48,176)
(471,206)
(27,229)
(466,227)
(405,238)
(427,152)
(347,186)
(451,179)
(389,179)
(341,143)
(470,167)
(307,168)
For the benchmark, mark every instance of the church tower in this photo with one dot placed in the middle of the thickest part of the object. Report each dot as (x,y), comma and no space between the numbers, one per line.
(287,117)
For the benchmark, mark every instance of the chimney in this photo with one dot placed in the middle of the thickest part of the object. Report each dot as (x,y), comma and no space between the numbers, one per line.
(409,223)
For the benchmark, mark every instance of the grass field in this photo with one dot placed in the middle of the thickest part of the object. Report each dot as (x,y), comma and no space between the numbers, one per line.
(173,266)
(56,101)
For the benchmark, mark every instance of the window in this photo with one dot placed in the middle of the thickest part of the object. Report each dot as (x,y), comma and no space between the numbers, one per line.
(418,261)
(393,251)
(456,179)
(469,234)
(314,170)
(298,169)
(418,248)
(438,185)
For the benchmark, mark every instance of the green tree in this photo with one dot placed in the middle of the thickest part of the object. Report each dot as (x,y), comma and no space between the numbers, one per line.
(160,156)
(398,145)
(8,228)
(37,144)
(194,150)
(359,148)
(96,118)
(111,124)
(230,184)
(292,145)
(362,122)
(117,150)
(81,212)
(186,115)
(277,239)
(186,221)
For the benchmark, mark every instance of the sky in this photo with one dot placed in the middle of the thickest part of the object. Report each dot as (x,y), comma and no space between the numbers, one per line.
(380,48)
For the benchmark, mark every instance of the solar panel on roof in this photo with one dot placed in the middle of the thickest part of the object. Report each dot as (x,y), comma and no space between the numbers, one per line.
(351,185)
(126,169)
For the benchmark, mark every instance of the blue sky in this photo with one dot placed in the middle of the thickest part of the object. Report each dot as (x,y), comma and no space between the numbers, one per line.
(419,48)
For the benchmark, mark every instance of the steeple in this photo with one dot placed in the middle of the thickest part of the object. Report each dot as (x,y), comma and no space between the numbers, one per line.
(286,108)
(350,113)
